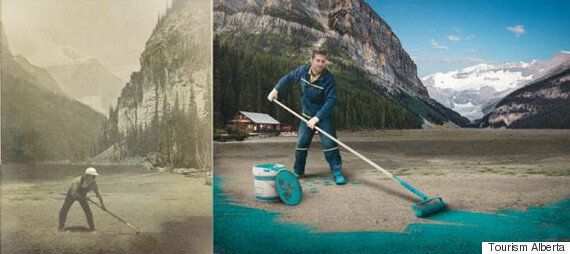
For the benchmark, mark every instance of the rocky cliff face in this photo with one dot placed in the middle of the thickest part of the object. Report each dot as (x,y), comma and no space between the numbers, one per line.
(369,39)
(353,26)
(542,104)
(174,67)
(164,109)
(350,29)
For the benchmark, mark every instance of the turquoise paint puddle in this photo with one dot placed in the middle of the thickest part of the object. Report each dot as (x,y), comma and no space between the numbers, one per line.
(324,181)
(239,229)
(312,185)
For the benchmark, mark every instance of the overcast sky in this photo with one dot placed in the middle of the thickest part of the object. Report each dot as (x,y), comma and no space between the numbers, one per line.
(52,32)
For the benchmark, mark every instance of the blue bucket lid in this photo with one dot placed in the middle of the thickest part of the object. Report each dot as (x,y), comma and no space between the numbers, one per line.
(288,188)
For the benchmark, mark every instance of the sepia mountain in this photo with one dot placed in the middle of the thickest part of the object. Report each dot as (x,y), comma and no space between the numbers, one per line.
(43,77)
(89,82)
(164,110)
(39,123)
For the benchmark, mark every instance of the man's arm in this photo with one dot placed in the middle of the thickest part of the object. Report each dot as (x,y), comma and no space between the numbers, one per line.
(330,101)
(292,77)
(96,190)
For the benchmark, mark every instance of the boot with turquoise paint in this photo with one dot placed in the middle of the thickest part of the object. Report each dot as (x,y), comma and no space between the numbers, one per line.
(337,176)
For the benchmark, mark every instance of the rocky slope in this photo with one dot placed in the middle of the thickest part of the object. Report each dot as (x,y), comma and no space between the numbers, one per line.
(543,104)
(475,90)
(169,95)
(351,30)
(38,123)
(89,82)
(40,74)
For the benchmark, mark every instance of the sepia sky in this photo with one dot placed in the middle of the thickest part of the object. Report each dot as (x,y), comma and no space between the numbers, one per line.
(58,32)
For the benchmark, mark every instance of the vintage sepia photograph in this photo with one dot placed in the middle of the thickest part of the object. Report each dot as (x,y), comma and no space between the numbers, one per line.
(106,126)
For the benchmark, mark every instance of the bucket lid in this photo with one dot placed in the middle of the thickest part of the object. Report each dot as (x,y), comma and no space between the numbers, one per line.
(267,169)
(288,188)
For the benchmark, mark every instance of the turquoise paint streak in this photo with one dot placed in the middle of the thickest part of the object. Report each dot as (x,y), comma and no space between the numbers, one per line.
(239,229)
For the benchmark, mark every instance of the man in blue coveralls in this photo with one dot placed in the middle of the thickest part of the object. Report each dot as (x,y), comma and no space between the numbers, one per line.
(318,87)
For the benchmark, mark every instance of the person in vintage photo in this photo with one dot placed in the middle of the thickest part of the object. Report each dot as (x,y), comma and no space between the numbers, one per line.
(106,126)
(78,190)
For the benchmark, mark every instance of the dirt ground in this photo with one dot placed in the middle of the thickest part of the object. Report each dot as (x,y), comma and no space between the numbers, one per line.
(473,170)
(173,212)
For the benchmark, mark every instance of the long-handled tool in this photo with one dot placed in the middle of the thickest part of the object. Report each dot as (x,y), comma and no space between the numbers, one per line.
(116,217)
(423,208)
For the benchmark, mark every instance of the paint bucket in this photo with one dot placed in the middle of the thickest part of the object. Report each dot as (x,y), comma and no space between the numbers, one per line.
(264,181)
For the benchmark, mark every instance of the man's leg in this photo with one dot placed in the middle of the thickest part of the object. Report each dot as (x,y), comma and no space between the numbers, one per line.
(330,149)
(64,209)
(88,213)
(302,149)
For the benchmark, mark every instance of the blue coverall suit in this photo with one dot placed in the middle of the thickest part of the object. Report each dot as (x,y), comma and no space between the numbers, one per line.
(318,99)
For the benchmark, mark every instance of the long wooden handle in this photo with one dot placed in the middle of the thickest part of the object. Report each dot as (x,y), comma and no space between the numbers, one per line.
(114,215)
(339,142)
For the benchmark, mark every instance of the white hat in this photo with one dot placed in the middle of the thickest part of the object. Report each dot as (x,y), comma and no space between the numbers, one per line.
(91,171)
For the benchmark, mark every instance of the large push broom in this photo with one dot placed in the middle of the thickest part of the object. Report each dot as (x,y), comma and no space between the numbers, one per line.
(423,208)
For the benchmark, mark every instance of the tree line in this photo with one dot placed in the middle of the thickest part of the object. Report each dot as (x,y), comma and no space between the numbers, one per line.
(176,137)
(244,77)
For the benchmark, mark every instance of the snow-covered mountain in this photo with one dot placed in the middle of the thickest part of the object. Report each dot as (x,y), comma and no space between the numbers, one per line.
(475,90)
(88,81)
(542,104)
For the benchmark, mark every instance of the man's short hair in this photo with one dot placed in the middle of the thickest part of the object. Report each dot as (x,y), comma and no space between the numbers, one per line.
(319,51)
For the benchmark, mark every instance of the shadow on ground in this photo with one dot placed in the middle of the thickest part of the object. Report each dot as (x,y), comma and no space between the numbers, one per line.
(193,235)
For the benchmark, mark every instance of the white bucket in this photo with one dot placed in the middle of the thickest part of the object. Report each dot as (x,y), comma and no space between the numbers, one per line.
(264,181)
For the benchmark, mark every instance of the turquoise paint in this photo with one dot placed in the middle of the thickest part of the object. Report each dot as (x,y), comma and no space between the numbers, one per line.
(239,229)
(411,188)
(313,190)
(264,178)
(325,181)
(267,167)
(288,188)
(260,198)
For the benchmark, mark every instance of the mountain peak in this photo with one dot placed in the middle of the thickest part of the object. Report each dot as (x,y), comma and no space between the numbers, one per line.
(21,58)
(74,54)
(89,82)
(562,56)
(93,62)
(351,30)
(481,85)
